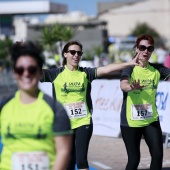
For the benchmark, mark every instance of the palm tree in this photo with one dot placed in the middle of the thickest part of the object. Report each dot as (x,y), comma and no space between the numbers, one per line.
(56,33)
(98,51)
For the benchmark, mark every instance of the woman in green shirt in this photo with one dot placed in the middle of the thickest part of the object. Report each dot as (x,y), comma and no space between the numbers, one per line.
(139,115)
(35,128)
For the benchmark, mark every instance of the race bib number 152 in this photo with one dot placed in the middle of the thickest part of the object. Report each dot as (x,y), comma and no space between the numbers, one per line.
(76,110)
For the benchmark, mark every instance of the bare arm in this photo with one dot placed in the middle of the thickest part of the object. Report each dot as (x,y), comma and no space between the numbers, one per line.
(63,147)
(126,86)
(102,71)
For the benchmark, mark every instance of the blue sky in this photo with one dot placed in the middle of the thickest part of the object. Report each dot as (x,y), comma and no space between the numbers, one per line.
(88,6)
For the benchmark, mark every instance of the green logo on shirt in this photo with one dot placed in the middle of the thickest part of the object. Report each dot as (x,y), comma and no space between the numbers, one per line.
(73,87)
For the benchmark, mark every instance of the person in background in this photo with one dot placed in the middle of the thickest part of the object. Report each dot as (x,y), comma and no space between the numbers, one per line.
(139,115)
(72,87)
(57,59)
(167,61)
(35,128)
(161,53)
(153,58)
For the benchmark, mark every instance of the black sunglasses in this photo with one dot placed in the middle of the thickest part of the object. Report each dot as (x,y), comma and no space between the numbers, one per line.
(20,70)
(73,52)
(143,48)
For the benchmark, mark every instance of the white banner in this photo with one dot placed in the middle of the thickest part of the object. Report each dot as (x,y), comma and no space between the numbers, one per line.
(46,88)
(163,105)
(107,100)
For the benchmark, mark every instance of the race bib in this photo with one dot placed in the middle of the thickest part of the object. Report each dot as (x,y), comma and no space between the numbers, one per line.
(141,112)
(30,161)
(76,110)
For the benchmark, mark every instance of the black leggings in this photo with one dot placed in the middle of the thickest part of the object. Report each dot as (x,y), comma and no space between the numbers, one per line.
(80,145)
(153,137)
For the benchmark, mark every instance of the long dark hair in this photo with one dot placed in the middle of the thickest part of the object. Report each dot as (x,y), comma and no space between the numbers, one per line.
(65,49)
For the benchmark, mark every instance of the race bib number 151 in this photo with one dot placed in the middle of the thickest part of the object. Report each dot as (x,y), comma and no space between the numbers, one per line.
(30,161)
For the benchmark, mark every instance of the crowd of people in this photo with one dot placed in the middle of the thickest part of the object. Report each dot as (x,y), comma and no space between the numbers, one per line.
(39,131)
(35,129)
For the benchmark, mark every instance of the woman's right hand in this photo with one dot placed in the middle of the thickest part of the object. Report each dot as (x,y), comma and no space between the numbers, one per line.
(135,85)
(136,61)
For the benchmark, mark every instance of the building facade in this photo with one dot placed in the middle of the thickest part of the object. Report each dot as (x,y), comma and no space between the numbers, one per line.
(124,18)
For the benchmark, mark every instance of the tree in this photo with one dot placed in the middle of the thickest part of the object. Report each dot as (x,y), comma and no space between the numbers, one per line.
(53,34)
(4,46)
(98,50)
(56,33)
(144,28)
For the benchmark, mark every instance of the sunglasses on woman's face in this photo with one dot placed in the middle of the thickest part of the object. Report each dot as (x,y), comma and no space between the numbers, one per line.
(31,70)
(73,52)
(143,48)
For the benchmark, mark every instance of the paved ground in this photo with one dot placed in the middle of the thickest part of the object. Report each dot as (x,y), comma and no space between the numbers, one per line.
(110,153)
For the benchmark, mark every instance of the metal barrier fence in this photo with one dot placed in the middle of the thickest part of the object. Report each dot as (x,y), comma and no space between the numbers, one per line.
(7,84)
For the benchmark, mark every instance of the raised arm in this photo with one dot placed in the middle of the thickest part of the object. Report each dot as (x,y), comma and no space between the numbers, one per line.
(104,70)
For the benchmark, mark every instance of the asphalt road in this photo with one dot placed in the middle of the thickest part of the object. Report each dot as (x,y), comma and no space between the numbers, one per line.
(109,153)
